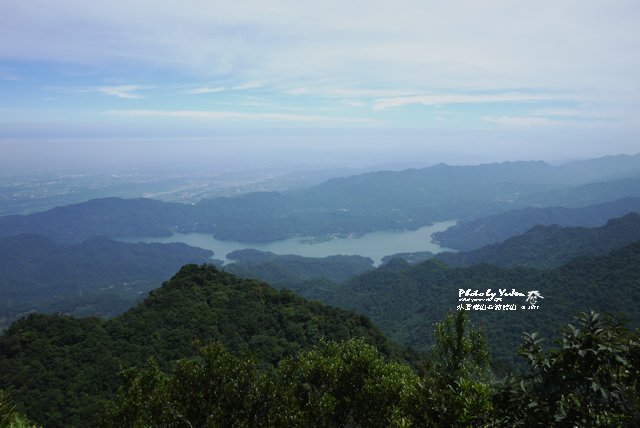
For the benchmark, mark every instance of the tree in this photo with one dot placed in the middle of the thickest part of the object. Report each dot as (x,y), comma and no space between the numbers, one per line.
(589,380)
(215,389)
(335,384)
(455,386)
(348,384)
(9,416)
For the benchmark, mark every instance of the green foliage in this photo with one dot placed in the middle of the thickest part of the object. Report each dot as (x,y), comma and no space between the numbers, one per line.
(58,368)
(217,389)
(405,301)
(334,384)
(589,380)
(347,384)
(10,417)
(291,270)
(459,350)
(456,387)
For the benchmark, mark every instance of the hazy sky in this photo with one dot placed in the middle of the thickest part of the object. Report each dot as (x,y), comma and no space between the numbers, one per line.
(494,78)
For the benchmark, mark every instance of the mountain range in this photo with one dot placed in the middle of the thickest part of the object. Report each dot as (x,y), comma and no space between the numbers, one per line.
(98,276)
(497,228)
(555,249)
(551,246)
(406,300)
(352,205)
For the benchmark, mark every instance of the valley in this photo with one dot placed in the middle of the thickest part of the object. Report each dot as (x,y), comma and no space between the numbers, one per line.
(363,256)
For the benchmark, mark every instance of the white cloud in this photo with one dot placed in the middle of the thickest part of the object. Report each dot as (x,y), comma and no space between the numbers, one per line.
(122,91)
(351,92)
(205,90)
(551,43)
(249,85)
(576,112)
(236,115)
(444,99)
(520,121)
(385,54)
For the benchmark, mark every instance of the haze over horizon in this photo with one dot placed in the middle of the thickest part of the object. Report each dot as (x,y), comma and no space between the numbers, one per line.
(284,84)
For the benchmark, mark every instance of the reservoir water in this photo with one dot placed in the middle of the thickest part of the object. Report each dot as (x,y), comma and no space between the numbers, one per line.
(374,245)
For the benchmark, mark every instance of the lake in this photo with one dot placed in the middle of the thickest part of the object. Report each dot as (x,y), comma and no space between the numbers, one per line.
(374,245)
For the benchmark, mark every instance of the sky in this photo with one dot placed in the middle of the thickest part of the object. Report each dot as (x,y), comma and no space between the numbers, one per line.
(491,79)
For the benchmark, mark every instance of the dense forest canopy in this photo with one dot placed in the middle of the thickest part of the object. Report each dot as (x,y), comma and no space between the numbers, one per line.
(43,355)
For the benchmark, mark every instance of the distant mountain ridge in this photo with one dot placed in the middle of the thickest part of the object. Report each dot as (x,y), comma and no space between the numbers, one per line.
(39,273)
(358,204)
(551,246)
(106,216)
(497,228)
(287,270)
(405,300)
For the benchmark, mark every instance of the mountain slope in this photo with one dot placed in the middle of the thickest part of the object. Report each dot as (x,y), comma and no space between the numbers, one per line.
(286,270)
(489,230)
(39,273)
(106,216)
(405,300)
(552,246)
(40,356)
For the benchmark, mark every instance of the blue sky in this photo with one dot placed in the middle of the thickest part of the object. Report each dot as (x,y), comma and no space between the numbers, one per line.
(565,69)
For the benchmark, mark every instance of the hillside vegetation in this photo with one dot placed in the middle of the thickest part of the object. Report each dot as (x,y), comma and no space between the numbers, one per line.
(98,276)
(406,300)
(551,246)
(58,368)
(480,232)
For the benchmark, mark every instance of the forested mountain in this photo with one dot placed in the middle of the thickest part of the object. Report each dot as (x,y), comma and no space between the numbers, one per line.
(98,276)
(351,384)
(106,216)
(551,246)
(605,168)
(357,204)
(288,270)
(497,228)
(405,300)
(82,356)
(58,369)
(540,247)
(43,355)
(585,194)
